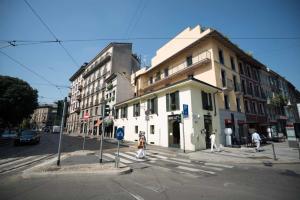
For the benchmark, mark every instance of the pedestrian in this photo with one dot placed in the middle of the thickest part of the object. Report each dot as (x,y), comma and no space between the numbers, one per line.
(256,138)
(141,147)
(213,144)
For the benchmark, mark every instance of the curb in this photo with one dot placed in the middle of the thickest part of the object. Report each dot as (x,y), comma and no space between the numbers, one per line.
(34,172)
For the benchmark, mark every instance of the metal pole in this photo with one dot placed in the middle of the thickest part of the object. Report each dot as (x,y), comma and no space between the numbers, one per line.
(117,160)
(83,144)
(61,131)
(274,154)
(183,133)
(101,142)
(299,149)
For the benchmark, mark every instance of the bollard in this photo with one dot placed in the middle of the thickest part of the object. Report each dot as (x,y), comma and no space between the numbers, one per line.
(274,154)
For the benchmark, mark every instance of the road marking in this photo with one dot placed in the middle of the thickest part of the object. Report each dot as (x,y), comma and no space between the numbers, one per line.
(181,160)
(213,168)
(23,164)
(122,160)
(131,157)
(219,165)
(17,161)
(147,157)
(195,170)
(157,156)
(7,160)
(161,153)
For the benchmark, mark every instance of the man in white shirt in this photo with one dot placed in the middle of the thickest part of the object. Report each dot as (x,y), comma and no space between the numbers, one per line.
(213,142)
(256,138)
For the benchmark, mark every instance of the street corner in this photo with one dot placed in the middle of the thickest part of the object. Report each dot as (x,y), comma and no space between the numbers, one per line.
(76,163)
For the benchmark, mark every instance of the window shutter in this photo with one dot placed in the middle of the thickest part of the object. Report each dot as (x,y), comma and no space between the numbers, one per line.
(210,102)
(168,102)
(155,106)
(148,104)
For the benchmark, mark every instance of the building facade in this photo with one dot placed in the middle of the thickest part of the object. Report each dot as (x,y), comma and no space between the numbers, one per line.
(105,79)
(44,116)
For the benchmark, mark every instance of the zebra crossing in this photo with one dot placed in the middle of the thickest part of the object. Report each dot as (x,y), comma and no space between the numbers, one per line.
(11,164)
(169,162)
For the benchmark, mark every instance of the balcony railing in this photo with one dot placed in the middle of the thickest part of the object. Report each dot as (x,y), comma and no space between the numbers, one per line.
(229,85)
(80,87)
(199,59)
(78,97)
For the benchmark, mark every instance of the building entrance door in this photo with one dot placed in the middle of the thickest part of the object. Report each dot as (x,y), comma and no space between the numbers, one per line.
(208,129)
(174,130)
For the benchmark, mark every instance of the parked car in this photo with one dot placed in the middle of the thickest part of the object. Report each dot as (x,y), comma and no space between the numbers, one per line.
(9,134)
(28,136)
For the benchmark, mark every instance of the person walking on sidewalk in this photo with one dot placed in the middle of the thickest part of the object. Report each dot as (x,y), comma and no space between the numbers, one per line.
(141,147)
(256,138)
(213,144)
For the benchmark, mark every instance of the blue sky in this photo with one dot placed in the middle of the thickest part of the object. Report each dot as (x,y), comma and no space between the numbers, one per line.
(90,19)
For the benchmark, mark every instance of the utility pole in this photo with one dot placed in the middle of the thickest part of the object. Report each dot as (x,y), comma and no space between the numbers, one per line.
(61,131)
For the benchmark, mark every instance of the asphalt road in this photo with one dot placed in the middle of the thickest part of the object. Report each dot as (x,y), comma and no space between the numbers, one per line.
(157,180)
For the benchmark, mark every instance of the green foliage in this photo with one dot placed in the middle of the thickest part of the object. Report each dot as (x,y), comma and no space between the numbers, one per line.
(278,100)
(25,124)
(17,100)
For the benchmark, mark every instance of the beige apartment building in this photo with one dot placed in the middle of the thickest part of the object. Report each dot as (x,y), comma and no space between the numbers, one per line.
(202,55)
(44,116)
(105,79)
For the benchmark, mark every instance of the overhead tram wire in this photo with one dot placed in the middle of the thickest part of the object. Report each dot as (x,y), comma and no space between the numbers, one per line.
(52,33)
(32,71)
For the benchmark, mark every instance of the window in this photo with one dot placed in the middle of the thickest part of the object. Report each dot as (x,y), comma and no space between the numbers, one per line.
(235,84)
(172,101)
(254,110)
(243,86)
(226,101)
(136,128)
(151,80)
(157,77)
(256,91)
(206,101)
(152,129)
(166,72)
(152,105)
(223,76)
(232,63)
(251,88)
(96,110)
(248,71)
(189,60)
(124,112)
(221,58)
(238,104)
(117,113)
(241,68)
(136,109)
(246,106)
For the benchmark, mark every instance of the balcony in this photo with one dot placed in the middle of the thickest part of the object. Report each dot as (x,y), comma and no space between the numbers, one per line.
(229,86)
(80,87)
(237,89)
(78,97)
(77,110)
(177,70)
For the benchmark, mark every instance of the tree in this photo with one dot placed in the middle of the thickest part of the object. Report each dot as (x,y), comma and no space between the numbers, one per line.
(17,101)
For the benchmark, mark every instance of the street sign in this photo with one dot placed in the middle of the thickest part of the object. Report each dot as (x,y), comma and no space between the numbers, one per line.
(185,111)
(120,133)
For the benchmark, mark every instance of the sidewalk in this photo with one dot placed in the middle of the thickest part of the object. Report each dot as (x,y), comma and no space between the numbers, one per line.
(78,162)
(245,155)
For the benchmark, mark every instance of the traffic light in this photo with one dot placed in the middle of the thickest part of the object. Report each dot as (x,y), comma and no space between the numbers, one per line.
(106,110)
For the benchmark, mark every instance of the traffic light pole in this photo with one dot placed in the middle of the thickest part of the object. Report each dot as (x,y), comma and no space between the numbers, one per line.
(61,131)
(101,137)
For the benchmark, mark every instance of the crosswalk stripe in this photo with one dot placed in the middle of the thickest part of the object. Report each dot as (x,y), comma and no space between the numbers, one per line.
(131,157)
(7,160)
(212,168)
(16,162)
(195,170)
(181,160)
(157,156)
(159,152)
(147,157)
(219,165)
(121,159)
